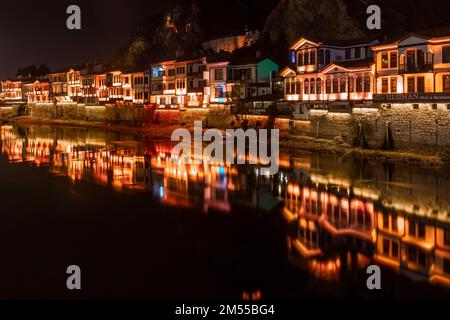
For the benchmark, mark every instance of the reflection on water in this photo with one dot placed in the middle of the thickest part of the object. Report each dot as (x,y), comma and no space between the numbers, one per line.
(357,215)
(338,215)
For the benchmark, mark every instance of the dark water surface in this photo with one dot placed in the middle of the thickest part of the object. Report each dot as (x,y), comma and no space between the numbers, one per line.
(141,226)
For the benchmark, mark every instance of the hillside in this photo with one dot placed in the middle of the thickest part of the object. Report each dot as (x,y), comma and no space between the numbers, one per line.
(188,23)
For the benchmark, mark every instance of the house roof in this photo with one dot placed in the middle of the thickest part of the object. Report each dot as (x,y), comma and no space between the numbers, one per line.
(67,69)
(333,42)
(190,58)
(286,71)
(219,57)
(350,64)
(426,34)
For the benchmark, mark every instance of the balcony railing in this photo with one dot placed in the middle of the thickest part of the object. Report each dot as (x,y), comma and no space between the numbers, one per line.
(415,68)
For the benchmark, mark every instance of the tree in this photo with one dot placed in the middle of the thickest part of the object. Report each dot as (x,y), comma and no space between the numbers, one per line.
(32,72)
(43,70)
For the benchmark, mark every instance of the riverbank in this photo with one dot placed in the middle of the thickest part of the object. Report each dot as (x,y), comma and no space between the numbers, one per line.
(288,141)
(343,150)
(145,132)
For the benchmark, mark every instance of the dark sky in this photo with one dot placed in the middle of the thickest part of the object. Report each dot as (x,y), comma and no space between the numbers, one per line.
(34,32)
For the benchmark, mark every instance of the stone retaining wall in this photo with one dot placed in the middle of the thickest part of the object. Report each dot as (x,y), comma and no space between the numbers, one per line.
(116,113)
(396,126)
(400,126)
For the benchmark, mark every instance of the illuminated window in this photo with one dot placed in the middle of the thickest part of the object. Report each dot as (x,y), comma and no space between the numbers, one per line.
(328,86)
(384,85)
(393,85)
(411,84)
(447,266)
(421,231)
(312,86)
(351,82)
(446,83)
(319,86)
(348,53)
(335,85)
(366,84)
(343,84)
(321,57)
(312,57)
(300,58)
(288,86)
(420,58)
(218,74)
(385,221)
(327,57)
(393,59)
(420,84)
(219,92)
(359,81)
(394,224)
(306,86)
(298,86)
(181,70)
(447,238)
(446,54)
(384,60)
(304,57)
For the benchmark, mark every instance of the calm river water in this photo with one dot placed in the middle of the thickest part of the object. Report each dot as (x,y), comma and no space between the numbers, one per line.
(141,226)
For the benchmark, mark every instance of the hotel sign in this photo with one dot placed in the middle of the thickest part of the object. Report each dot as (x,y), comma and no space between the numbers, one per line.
(412,97)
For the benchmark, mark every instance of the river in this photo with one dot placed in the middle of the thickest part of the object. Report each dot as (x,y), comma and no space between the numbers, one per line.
(142,226)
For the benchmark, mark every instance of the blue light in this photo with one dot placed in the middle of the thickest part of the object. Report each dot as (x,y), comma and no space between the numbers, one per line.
(221,100)
(222,171)
(293,57)
(161,192)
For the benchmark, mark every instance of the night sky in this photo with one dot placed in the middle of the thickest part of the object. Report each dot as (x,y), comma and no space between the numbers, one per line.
(34,32)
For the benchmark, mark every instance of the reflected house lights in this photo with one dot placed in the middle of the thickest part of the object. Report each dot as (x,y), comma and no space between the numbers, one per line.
(325,209)
(400,239)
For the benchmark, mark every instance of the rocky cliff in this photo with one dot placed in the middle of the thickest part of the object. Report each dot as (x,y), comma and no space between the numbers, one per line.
(188,23)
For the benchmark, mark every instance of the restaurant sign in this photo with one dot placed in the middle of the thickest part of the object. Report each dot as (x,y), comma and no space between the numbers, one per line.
(412,97)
